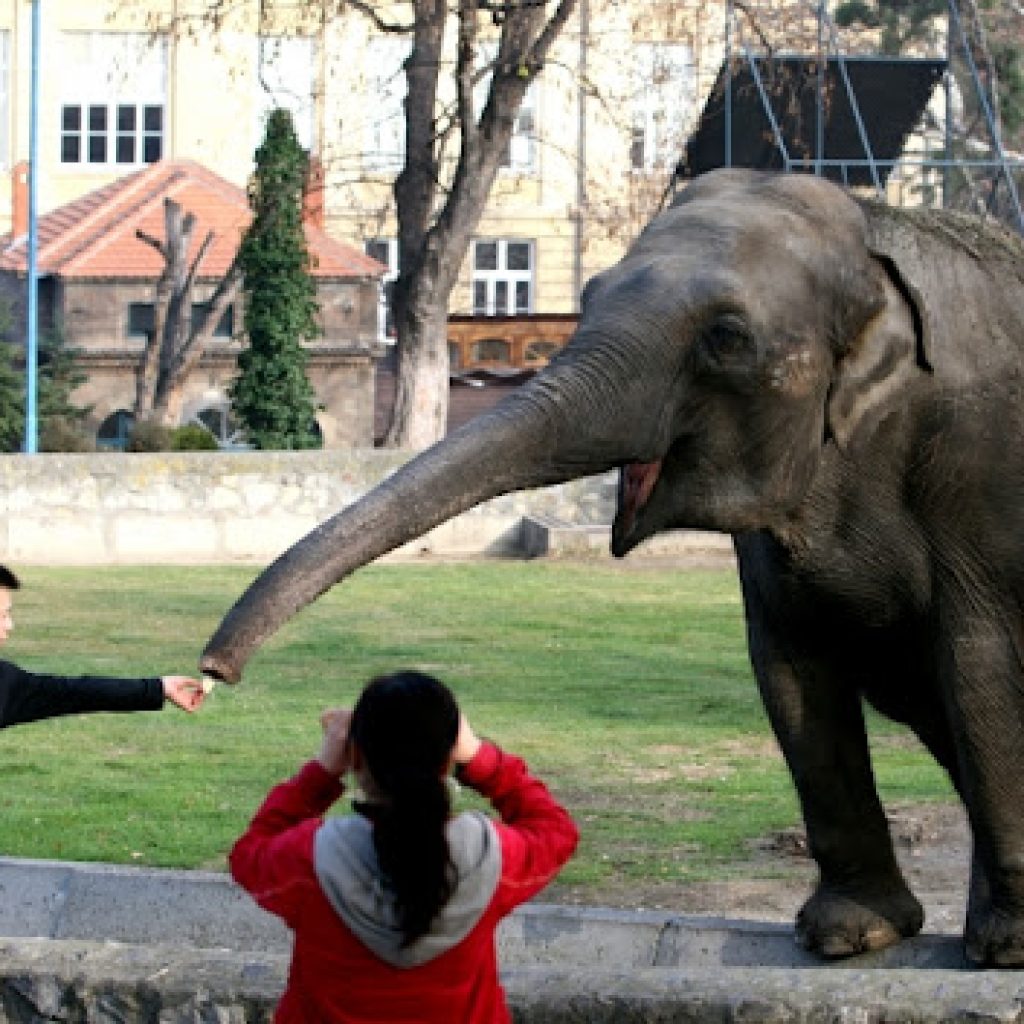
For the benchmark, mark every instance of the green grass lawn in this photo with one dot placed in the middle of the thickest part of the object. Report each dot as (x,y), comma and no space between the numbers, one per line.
(628,691)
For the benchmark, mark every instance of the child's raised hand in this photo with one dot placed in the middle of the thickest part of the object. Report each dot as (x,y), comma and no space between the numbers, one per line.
(466,743)
(335,750)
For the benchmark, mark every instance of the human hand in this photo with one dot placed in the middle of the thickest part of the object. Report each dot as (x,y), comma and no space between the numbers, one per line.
(184,691)
(335,749)
(466,743)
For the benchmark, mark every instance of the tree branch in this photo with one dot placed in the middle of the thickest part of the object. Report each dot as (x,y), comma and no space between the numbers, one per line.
(225,293)
(368,11)
(142,236)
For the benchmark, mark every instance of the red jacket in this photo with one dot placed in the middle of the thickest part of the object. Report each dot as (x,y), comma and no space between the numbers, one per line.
(334,978)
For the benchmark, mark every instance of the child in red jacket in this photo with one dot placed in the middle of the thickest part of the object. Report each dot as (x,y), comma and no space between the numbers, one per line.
(394,908)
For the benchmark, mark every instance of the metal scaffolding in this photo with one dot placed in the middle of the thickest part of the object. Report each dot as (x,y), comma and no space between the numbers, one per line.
(917,129)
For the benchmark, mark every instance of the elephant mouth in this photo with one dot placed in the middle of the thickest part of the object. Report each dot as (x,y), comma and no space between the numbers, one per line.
(636,482)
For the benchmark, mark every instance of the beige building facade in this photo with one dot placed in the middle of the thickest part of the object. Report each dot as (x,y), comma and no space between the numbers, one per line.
(125,82)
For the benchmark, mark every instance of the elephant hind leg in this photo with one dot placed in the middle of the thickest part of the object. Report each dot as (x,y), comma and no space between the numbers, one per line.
(993,937)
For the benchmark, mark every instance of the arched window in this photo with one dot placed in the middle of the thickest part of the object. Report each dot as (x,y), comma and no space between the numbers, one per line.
(115,430)
(539,352)
(218,421)
(491,350)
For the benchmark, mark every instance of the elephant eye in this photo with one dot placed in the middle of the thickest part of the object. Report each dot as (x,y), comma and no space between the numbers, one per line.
(726,344)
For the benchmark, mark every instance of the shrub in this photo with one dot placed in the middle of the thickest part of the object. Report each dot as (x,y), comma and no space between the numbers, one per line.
(149,436)
(58,434)
(191,437)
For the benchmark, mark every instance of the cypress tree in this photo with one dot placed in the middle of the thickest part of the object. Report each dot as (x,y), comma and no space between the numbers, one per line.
(12,399)
(272,396)
(59,422)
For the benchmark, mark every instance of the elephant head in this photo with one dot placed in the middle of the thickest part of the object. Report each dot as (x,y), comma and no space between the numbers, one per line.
(748,328)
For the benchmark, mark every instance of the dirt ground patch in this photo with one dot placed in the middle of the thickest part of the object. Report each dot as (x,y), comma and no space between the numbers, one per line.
(932,843)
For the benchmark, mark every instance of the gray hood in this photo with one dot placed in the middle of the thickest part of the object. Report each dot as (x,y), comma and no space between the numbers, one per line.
(349,873)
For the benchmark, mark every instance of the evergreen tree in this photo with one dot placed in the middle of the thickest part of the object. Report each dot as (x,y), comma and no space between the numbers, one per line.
(59,421)
(12,399)
(59,375)
(271,395)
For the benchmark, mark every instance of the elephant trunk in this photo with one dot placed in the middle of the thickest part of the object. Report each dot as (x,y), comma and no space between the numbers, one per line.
(504,450)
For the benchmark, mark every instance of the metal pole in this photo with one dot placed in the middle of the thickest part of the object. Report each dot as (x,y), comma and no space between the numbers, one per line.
(819,98)
(993,127)
(581,155)
(728,84)
(32,340)
(766,102)
(947,177)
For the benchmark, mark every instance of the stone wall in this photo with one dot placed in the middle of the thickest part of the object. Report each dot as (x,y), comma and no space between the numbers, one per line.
(193,507)
(108,983)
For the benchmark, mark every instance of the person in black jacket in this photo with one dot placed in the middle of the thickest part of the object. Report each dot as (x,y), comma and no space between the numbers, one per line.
(28,697)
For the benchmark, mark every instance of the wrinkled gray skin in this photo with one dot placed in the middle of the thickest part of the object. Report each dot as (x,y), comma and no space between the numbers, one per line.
(838,385)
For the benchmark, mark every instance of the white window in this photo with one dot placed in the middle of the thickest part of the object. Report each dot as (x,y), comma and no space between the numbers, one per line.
(520,157)
(113,111)
(286,79)
(664,92)
(385,250)
(384,109)
(502,277)
(5,98)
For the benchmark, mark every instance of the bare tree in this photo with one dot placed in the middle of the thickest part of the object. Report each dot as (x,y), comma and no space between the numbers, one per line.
(176,342)
(439,205)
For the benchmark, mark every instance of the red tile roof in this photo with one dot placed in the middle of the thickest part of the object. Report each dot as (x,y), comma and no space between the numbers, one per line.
(95,236)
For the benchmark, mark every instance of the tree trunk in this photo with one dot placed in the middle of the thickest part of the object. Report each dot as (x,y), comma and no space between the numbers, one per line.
(171,396)
(433,239)
(420,415)
(176,345)
(166,303)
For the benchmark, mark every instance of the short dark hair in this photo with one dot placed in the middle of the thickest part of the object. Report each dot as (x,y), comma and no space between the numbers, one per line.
(8,581)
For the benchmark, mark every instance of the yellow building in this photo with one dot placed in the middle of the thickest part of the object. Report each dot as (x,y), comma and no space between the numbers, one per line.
(126,82)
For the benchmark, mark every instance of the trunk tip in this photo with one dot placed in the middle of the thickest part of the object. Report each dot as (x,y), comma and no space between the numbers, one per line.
(220,668)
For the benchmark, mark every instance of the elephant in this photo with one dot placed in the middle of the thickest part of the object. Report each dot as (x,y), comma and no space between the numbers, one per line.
(836,384)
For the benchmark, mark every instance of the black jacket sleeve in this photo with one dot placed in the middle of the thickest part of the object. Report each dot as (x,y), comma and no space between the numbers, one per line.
(27,697)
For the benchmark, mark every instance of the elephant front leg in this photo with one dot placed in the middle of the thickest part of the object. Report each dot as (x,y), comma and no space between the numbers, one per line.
(861,901)
(985,694)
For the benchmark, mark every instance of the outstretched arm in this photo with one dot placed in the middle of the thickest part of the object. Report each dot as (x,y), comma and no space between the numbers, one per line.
(29,696)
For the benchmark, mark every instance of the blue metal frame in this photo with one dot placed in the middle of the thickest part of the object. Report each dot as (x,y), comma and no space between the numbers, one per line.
(829,47)
(32,338)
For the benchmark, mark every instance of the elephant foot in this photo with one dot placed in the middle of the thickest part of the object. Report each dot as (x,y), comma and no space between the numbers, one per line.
(840,922)
(994,938)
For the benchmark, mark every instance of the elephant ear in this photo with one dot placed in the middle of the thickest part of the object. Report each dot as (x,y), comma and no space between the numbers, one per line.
(888,351)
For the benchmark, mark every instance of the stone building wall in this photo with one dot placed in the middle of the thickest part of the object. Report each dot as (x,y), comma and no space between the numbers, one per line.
(93,315)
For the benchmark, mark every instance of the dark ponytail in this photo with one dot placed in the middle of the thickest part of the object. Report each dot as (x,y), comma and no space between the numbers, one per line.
(405,726)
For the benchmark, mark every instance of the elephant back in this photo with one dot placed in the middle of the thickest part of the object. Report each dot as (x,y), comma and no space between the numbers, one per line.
(965,275)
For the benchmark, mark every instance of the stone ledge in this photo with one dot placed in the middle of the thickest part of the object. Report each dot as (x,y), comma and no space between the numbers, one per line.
(111,983)
(89,902)
(100,943)
(542,536)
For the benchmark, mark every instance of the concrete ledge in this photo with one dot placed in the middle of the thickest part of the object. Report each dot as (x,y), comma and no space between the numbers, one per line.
(96,943)
(543,535)
(205,909)
(103,983)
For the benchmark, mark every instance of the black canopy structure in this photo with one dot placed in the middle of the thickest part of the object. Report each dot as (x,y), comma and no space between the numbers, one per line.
(868,105)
